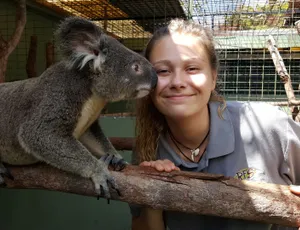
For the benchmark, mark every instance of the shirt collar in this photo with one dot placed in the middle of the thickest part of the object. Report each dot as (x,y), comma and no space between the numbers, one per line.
(221,140)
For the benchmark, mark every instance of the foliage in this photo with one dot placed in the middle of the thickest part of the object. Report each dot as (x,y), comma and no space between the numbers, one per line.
(260,17)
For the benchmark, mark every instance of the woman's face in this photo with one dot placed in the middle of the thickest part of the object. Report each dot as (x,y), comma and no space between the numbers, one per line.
(185,77)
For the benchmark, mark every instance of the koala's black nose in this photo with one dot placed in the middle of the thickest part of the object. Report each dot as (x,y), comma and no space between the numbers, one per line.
(153,78)
(139,70)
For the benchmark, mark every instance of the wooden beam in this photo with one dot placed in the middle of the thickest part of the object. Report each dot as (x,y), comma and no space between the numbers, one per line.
(190,192)
(123,143)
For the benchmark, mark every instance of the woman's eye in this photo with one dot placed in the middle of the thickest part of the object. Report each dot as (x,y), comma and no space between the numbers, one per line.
(193,69)
(162,71)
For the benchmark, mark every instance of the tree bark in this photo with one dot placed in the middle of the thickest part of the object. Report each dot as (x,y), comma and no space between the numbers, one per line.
(189,192)
(31,58)
(3,67)
(284,76)
(7,47)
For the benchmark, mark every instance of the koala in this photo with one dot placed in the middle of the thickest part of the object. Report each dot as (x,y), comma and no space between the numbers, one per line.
(54,118)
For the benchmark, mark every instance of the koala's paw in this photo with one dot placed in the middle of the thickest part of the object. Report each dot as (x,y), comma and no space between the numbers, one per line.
(117,162)
(102,179)
(4,172)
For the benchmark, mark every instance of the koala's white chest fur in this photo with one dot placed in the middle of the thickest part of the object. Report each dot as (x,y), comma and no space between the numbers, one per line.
(89,113)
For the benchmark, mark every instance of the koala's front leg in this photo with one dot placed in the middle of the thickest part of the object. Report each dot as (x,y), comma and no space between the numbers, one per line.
(95,140)
(66,153)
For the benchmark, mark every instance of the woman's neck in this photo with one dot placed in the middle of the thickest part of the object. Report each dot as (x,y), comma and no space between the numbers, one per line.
(190,131)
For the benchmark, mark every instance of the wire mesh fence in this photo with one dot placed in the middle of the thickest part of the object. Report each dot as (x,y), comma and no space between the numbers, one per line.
(240,27)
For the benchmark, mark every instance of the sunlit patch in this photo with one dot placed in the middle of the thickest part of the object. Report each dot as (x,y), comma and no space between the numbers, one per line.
(189,46)
(198,79)
(184,39)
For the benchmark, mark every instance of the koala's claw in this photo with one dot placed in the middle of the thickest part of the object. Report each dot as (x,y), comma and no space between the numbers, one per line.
(115,188)
(118,163)
(5,172)
(102,180)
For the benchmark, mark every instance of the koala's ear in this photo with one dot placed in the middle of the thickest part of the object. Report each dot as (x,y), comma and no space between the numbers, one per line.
(79,39)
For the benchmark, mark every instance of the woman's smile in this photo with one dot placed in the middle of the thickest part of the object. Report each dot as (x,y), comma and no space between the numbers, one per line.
(179,97)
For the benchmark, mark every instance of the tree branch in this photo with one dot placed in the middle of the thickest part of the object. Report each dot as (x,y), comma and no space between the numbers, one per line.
(190,192)
(7,47)
(20,24)
(3,45)
(280,68)
(285,77)
(286,103)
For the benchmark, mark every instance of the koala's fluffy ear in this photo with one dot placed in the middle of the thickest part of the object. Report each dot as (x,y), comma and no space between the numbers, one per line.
(79,41)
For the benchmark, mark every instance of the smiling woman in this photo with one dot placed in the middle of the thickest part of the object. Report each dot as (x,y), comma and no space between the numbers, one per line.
(185,79)
(184,125)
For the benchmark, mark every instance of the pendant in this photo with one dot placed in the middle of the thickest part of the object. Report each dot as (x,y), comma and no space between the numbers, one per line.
(195,152)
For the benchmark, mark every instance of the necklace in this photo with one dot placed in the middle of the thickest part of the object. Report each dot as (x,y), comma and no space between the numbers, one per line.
(194,152)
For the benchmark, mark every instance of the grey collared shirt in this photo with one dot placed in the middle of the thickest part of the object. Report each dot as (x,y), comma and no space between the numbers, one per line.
(254,141)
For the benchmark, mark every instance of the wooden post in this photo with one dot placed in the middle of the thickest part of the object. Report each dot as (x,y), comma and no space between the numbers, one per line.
(31,58)
(49,54)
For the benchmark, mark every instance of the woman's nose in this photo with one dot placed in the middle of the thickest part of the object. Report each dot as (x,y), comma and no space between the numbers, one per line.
(178,80)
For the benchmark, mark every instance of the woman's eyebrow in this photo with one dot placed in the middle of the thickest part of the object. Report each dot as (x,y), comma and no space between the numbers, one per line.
(168,62)
(195,59)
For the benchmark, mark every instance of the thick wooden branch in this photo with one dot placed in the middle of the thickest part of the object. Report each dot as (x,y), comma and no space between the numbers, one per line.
(180,191)
(282,72)
(3,44)
(280,68)
(31,58)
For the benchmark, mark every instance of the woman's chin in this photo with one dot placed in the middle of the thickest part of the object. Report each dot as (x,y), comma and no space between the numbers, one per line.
(178,113)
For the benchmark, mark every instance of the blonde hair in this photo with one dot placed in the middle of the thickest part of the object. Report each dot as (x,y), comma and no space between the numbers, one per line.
(150,123)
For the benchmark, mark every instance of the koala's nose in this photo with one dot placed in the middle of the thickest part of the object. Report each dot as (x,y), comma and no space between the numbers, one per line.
(138,69)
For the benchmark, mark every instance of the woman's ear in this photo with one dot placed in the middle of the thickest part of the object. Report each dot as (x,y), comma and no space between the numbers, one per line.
(214,77)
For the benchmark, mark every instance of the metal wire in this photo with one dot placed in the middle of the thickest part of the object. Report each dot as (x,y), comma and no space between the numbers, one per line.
(240,29)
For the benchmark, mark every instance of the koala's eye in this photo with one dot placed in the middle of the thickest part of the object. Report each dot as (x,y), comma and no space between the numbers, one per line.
(96,52)
(105,51)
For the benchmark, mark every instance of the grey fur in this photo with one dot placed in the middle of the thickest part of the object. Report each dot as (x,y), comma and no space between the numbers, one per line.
(53,118)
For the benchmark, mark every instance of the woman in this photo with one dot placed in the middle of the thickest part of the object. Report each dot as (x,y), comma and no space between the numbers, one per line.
(185,125)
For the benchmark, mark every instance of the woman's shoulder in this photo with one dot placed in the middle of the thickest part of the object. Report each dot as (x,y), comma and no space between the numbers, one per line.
(261,112)
(256,106)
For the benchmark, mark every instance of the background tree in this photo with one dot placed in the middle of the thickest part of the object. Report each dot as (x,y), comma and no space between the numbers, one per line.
(7,47)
